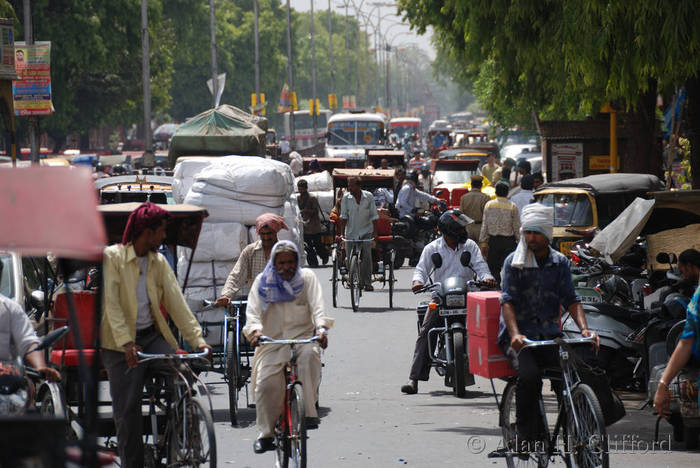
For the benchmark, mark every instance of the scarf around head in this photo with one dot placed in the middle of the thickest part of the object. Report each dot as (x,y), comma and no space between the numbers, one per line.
(143,216)
(272,287)
(271,220)
(534,217)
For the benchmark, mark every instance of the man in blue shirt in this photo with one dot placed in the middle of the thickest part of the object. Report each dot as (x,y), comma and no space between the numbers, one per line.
(536,282)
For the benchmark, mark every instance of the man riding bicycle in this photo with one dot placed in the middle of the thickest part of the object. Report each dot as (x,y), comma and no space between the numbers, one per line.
(536,282)
(137,282)
(285,302)
(454,241)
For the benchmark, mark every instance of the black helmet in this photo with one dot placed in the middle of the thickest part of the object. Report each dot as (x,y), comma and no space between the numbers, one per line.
(412,175)
(425,169)
(453,223)
(99,167)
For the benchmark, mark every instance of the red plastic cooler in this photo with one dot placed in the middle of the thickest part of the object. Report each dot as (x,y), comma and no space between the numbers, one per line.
(485,356)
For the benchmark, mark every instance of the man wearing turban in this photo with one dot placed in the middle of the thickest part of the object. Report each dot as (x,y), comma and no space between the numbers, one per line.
(253,258)
(536,282)
(137,282)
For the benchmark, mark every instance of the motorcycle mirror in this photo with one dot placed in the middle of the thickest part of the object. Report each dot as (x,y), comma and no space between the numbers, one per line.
(37,299)
(48,340)
(672,258)
(436,259)
(465,259)
(663,257)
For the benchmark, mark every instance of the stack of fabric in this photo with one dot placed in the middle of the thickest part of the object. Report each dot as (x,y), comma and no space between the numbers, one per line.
(235,190)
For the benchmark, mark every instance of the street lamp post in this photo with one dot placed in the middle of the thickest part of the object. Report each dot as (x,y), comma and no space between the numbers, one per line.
(314,117)
(257,55)
(290,70)
(148,157)
(330,48)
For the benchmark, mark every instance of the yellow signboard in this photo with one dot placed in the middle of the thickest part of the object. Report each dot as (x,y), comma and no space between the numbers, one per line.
(599,163)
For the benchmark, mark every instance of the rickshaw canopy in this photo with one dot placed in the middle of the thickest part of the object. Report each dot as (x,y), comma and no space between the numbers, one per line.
(184,224)
(604,184)
(371,178)
(394,158)
(51,209)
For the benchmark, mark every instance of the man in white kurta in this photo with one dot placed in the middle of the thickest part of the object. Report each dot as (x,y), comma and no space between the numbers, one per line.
(299,318)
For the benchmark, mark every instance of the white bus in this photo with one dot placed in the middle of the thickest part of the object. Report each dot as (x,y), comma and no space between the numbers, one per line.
(350,134)
(304,127)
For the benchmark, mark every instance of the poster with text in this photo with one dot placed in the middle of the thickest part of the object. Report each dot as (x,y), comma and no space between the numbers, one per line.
(567,161)
(32,92)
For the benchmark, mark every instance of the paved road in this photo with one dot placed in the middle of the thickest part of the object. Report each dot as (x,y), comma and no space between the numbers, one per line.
(367,422)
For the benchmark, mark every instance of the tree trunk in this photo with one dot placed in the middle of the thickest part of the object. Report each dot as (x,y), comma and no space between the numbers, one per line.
(692,89)
(644,152)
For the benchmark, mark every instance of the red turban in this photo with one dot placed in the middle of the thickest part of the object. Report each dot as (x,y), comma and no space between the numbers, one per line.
(273,221)
(145,216)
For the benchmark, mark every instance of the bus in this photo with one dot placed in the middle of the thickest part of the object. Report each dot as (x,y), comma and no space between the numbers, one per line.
(351,134)
(304,127)
(403,125)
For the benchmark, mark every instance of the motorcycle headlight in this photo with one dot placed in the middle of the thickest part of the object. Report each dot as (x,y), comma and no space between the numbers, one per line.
(455,300)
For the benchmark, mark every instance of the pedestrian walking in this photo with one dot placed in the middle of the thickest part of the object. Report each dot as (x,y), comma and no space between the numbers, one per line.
(500,229)
(472,204)
(310,215)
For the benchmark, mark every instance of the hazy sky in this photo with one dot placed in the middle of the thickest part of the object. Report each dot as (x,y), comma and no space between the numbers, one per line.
(397,31)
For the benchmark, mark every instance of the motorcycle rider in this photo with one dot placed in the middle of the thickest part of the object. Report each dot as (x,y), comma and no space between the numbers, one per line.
(536,283)
(454,241)
(688,343)
(406,199)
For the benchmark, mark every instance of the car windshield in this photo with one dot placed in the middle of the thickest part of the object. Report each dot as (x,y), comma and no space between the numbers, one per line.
(6,284)
(355,133)
(402,130)
(453,177)
(570,209)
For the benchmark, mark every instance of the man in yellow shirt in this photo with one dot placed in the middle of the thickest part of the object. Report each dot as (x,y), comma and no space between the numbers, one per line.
(137,282)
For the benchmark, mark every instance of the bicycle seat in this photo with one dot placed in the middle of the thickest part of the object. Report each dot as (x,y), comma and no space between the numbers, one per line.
(384,238)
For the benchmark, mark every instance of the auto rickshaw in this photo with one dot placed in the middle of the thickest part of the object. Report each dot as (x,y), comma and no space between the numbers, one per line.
(394,158)
(135,188)
(585,205)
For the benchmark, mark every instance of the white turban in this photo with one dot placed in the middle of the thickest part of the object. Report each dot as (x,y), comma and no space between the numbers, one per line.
(534,217)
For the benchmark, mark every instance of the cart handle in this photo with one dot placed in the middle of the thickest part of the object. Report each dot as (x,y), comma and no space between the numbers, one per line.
(264,340)
(145,357)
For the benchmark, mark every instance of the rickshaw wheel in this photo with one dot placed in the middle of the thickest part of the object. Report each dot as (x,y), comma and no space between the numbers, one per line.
(334,279)
(392,254)
(232,377)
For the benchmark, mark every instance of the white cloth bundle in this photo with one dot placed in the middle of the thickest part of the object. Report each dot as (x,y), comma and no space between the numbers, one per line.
(534,217)
(227,210)
(318,182)
(204,274)
(219,242)
(184,172)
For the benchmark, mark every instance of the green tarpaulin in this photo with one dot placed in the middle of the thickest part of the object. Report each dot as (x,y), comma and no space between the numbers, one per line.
(222,131)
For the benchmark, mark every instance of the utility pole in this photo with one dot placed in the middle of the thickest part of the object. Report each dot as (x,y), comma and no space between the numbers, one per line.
(387,59)
(347,48)
(148,156)
(257,56)
(33,120)
(314,117)
(330,47)
(377,55)
(293,140)
(214,71)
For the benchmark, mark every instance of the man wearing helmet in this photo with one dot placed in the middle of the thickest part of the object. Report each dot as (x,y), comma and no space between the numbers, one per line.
(454,241)
(406,199)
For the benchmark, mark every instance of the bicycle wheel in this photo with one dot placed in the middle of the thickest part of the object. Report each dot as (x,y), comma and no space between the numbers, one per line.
(354,280)
(232,375)
(192,441)
(460,365)
(392,255)
(297,435)
(512,445)
(334,277)
(586,429)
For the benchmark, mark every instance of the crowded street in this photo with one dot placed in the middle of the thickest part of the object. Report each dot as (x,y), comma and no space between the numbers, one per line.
(367,422)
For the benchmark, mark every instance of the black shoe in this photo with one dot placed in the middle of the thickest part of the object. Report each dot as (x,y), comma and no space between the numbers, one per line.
(369,288)
(324,260)
(312,423)
(263,445)
(411,388)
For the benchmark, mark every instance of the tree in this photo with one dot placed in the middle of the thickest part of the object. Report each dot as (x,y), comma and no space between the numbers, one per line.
(566,58)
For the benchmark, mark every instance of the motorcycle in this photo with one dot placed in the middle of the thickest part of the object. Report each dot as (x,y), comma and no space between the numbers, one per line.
(420,228)
(18,383)
(447,344)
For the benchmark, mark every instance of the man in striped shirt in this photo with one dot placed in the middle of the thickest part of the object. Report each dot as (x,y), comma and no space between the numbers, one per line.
(500,229)
(416,163)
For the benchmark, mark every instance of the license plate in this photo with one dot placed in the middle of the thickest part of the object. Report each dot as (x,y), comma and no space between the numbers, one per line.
(591,299)
(446,312)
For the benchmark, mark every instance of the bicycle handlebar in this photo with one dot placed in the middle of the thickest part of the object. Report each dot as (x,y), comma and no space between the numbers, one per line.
(535,343)
(189,356)
(345,239)
(267,340)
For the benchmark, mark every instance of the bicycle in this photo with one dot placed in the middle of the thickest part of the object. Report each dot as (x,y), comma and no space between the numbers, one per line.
(579,419)
(187,437)
(290,431)
(356,256)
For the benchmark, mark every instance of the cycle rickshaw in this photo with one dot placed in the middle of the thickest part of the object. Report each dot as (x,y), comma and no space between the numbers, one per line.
(183,229)
(347,273)
(395,158)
